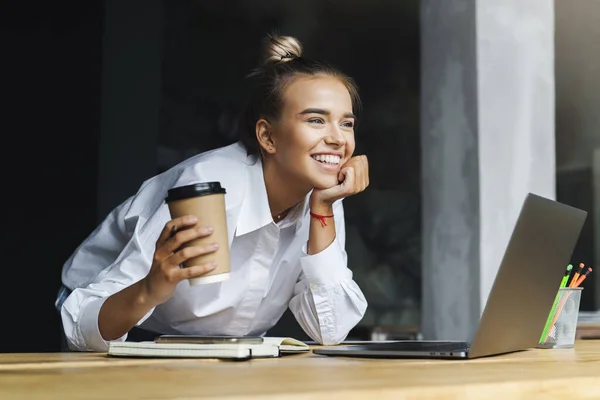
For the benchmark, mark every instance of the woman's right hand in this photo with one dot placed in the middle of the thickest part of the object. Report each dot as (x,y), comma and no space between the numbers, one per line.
(169,254)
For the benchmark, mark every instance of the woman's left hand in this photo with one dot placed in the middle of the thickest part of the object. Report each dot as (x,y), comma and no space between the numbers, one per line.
(353,178)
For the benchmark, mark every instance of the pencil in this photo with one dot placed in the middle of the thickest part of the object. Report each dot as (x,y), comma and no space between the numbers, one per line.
(566,295)
(563,300)
(563,283)
(576,275)
(582,277)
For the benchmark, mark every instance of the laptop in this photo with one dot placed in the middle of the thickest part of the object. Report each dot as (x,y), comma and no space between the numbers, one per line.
(521,297)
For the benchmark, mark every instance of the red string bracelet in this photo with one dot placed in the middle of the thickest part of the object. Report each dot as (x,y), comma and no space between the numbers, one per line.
(321,218)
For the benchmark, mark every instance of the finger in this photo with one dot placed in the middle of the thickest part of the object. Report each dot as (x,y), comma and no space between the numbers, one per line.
(196,270)
(175,225)
(184,236)
(364,172)
(342,174)
(186,253)
(361,173)
(367,178)
(349,180)
(358,174)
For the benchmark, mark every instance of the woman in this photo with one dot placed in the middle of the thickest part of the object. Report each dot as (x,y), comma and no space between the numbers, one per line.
(285,182)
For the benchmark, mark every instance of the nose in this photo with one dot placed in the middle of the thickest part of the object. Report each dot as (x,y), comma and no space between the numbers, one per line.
(335,137)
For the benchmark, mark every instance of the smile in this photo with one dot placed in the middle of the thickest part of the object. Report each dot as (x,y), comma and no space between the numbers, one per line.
(327,159)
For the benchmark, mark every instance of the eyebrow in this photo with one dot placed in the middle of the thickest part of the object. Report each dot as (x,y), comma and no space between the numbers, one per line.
(324,112)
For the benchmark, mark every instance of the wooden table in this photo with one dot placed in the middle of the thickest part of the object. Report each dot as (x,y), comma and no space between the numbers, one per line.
(548,374)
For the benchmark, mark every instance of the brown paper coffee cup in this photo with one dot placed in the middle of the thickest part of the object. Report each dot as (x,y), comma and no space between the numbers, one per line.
(207,202)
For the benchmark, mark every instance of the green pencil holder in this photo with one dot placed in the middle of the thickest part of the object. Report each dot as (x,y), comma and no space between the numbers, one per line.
(561,327)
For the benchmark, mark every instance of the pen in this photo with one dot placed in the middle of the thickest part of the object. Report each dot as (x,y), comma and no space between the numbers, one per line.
(576,275)
(563,283)
(565,278)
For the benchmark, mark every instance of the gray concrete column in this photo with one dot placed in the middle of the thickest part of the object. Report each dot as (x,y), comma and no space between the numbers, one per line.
(487,124)
(131,93)
(596,183)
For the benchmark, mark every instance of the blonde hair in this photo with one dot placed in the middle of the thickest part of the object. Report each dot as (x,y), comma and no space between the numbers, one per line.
(281,49)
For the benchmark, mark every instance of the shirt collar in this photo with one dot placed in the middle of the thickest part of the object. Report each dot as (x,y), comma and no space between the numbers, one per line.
(255,212)
(303,211)
(296,215)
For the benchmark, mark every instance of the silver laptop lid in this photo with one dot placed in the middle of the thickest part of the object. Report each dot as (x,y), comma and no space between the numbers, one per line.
(527,281)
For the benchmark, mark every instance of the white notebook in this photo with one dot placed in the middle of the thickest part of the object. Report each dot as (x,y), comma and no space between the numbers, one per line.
(271,347)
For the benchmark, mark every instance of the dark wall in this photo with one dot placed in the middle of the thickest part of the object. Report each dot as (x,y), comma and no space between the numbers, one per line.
(577,125)
(574,187)
(51,53)
(57,186)
(210,46)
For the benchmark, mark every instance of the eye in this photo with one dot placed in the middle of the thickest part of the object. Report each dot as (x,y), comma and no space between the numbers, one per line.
(316,121)
(348,124)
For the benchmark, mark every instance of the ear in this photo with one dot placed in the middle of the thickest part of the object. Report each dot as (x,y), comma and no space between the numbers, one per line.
(264,136)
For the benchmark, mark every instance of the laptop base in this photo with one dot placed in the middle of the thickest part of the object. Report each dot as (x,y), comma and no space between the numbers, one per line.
(401,349)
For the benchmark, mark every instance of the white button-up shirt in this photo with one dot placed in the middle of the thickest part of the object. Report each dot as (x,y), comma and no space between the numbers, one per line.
(270,269)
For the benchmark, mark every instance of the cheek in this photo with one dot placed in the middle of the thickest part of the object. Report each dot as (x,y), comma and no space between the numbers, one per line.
(350,145)
(293,156)
(293,136)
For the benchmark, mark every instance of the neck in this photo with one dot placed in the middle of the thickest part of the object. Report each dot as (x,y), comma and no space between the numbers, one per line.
(282,193)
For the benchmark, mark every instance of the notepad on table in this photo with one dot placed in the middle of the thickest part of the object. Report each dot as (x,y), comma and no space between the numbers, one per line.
(269,348)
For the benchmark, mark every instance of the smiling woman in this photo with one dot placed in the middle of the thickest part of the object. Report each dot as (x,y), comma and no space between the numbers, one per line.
(316,124)
(285,182)
(301,119)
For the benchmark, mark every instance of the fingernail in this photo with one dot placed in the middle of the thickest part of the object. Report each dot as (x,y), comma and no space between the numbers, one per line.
(215,246)
(191,218)
(212,264)
(209,229)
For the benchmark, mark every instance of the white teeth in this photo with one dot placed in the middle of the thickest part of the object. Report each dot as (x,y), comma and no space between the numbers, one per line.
(329,159)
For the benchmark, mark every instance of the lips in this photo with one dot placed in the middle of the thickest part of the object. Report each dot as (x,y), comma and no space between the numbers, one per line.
(328,163)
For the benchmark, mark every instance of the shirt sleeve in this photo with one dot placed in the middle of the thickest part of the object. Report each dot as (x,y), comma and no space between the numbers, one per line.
(327,302)
(80,310)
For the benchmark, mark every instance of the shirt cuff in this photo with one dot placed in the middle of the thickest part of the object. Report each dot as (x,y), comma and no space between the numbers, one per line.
(89,326)
(326,267)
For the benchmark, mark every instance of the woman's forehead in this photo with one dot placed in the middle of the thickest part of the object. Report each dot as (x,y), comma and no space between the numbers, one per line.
(324,92)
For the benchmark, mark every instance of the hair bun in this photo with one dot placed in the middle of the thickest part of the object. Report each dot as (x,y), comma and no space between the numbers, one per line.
(281,49)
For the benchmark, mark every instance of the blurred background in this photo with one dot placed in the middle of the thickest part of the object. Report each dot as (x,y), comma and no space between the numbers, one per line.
(104,94)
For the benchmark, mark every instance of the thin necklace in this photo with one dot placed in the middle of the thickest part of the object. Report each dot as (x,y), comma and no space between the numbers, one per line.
(282,215)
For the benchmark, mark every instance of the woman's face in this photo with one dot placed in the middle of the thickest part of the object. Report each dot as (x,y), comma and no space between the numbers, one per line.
(314,135)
